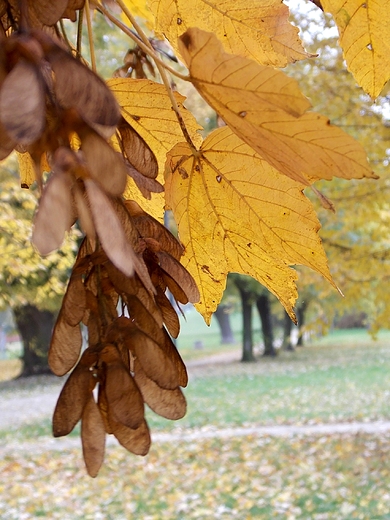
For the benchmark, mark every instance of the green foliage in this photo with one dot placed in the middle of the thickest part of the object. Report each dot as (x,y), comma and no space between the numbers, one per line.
(342,379)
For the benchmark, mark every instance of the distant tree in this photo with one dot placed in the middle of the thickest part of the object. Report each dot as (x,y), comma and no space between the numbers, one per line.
(245,291)
(252,293)
(301,316)
(263,305)
(222,315)
(287,329)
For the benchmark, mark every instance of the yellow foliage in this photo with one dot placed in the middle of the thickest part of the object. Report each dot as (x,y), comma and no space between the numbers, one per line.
(26,168)
(267,110)
(147,108)
(139,8)
(260,30)
(26,276)
(236,213)
(364,28)
(26,165)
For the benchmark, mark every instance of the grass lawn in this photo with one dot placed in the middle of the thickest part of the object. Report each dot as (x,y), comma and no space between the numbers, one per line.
(341,378)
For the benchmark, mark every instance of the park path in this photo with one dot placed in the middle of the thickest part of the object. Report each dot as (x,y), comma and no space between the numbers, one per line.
(45,444)
(19,407)
(21,403)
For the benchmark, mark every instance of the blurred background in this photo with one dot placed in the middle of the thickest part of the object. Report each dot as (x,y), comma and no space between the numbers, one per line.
(284,421)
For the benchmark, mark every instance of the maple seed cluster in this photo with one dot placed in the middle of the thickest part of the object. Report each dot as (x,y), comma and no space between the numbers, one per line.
(60,113)
(130,355)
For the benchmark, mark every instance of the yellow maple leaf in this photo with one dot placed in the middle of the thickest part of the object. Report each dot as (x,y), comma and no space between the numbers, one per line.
(27,170)
(235,213)
(247,27)
(147,108)
(364,28)
(267,110)
(139,8)
(26,164)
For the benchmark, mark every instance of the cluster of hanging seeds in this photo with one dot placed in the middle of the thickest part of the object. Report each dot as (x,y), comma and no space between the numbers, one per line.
(130,357)
(53,107)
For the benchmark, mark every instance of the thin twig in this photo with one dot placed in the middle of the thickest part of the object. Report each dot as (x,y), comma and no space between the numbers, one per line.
(164,77)
(90,35)
(148,49)
(79,33)
(63,33)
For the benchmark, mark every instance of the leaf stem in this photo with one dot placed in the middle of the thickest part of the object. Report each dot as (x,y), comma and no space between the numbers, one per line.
(148,49)
(90,35)
(162,70)
(79,33)
(63,33)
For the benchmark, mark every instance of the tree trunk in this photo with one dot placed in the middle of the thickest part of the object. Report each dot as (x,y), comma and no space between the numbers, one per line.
(223,318)
(35,328)
(247,337)
(287,327)
(301,315)
(263,307)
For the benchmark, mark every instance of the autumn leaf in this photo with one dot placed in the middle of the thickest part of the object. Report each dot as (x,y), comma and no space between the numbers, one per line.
(250,28)
(27,170)
(147,108)
(139,8)
(364,30)
(236,213)
(267,110)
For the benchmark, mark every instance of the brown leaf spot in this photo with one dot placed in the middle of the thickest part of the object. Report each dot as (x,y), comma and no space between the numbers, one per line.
(183,173)
(186,39)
